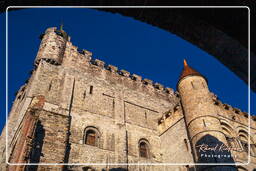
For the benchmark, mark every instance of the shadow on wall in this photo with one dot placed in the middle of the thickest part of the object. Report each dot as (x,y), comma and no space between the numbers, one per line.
(210,150)
(36,151)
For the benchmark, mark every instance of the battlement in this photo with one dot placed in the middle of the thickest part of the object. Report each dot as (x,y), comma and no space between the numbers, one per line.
(169,113)
(85,59)
(134,77)
(230,108)
(52,42)
(170,118)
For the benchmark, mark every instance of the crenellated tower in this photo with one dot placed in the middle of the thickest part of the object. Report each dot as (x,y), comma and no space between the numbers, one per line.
(52,46)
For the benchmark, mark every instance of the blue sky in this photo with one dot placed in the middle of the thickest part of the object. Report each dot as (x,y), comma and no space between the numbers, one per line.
(118,40)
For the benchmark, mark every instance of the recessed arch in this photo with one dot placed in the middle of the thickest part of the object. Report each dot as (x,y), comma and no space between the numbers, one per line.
(91,136)
(88,168)
(227,124)
(144,148)
(244,139)
(230,134)
(227,128)
(243,135)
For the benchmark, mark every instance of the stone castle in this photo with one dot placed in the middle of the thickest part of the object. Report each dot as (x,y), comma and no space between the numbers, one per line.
(78,110)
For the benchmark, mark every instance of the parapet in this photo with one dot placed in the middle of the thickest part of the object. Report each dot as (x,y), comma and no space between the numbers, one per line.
(87,61)
(169,113)
(228,107)
(56,45)
(170,118)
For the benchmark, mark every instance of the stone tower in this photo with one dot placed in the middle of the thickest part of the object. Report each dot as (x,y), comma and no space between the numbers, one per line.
(76,109)
(201,117)
(52,46)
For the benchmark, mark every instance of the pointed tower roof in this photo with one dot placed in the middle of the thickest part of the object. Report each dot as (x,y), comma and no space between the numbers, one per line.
(187,71)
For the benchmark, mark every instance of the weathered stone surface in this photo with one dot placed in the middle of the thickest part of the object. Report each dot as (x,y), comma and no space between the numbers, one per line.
(79,94)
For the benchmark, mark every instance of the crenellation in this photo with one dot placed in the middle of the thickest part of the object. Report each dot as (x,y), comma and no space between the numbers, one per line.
(102,65)
(113,68)
(229,108)
(136,77)
(169,90)
(50,29)
(147,81)
(253,118)
(245,114)
(177,94)
(91,112)
(81,51)
(217,102)
(176,108)
(125,73)
(159,86)
(73,47)
(99,63)
(87,53)
(236,110)
(226,106)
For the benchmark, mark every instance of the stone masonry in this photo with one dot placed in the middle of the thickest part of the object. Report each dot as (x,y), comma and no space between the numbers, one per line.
(75,109)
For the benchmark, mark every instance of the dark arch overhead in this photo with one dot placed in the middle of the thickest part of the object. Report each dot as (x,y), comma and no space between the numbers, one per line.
(221,32)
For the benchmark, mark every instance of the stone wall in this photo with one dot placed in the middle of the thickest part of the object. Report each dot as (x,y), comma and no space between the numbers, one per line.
(80,93)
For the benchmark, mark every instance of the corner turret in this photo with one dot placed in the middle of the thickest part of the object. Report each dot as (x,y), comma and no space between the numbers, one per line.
(52,46)
(201,119)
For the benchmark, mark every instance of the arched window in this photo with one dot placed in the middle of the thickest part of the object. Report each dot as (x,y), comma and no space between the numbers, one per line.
(229,134)
(243,137)
(88,169)
(144,149)
(253,149)
(91,136)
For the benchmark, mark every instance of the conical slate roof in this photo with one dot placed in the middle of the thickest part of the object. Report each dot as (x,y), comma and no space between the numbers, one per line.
(188,71)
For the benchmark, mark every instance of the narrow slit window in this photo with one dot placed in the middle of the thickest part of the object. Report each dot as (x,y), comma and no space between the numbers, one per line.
(84,95)
(186,143)
(204,123)
(192,85)
(50,86)
(113,104)
(91,89)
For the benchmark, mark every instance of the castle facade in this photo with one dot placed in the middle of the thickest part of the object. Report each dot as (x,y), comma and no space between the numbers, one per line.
(75,109)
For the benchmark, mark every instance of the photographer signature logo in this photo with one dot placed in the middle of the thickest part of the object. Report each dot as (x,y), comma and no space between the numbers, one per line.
(217,151)
(216,148)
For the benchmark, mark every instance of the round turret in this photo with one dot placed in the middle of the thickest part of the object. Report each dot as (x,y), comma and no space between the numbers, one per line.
(201,118)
